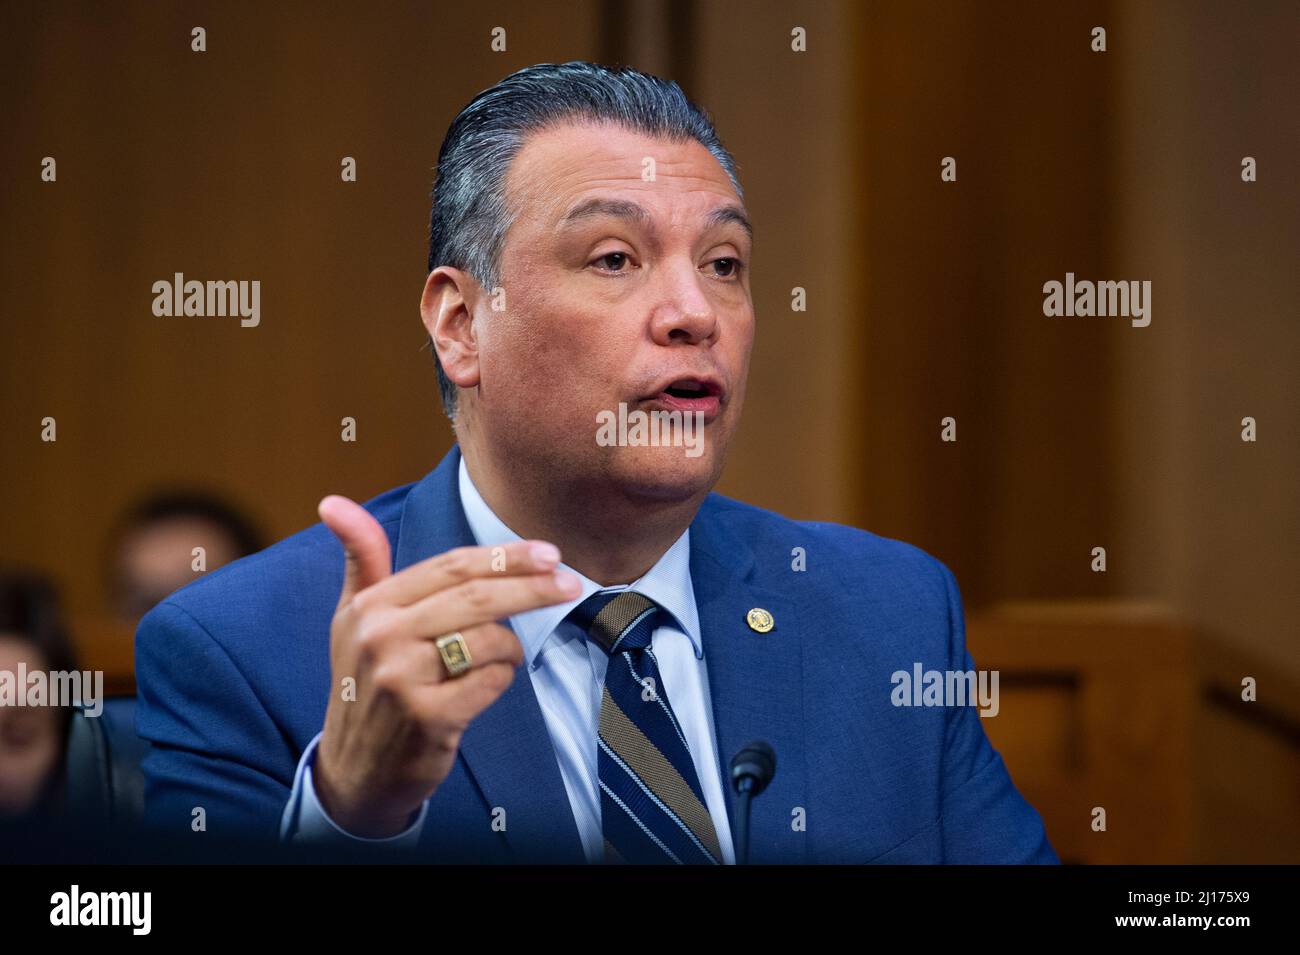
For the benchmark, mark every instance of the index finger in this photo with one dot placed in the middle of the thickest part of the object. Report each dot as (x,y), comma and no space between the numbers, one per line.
(437,573)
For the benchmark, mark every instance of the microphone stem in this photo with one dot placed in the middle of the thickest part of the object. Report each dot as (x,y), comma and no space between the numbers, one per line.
(744,787)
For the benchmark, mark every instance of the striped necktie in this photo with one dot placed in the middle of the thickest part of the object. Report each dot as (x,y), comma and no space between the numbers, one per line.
(652,808)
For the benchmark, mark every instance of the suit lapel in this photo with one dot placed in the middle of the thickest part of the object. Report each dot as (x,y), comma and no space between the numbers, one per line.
(755,682)
(507,748)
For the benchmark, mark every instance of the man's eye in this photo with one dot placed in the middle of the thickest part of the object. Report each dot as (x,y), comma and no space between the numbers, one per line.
(613,261)
(725,268)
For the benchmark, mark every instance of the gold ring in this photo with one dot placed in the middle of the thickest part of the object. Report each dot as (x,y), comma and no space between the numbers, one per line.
(455,653)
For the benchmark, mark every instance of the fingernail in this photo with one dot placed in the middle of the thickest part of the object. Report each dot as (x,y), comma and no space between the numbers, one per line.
(544,555)
(568,583)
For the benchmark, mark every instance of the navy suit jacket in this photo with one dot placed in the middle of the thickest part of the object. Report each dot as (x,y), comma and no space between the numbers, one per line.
(234,675)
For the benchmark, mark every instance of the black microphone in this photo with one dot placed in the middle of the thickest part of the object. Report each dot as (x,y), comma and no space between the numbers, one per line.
(751,770)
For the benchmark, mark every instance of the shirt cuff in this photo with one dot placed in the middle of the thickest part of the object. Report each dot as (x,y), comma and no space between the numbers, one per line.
(305,820)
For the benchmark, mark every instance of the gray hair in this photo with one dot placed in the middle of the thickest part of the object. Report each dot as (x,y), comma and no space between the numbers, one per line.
(470,217)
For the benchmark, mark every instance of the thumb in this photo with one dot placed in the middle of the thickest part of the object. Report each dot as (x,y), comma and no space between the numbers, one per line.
(367,557)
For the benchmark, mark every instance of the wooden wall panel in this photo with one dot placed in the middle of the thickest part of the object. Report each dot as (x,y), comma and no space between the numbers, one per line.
(225,165)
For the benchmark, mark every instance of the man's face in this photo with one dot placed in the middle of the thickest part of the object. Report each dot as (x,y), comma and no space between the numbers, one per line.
(620,287)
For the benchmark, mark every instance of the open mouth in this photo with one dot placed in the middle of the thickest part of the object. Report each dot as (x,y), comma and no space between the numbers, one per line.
(688,389)
(691,395)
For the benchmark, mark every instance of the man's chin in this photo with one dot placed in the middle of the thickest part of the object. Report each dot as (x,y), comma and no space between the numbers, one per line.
(665,474)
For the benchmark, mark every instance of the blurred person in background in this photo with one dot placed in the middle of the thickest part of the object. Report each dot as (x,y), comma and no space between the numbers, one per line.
(32,738)
(151,551)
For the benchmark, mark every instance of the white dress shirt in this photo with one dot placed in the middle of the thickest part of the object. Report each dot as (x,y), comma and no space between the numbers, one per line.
(568,674)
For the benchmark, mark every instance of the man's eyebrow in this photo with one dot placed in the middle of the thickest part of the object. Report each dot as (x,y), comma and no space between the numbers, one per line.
(633,212)
(725,214)
(618,208)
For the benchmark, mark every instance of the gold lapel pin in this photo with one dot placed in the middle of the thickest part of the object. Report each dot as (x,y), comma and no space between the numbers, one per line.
(759,620)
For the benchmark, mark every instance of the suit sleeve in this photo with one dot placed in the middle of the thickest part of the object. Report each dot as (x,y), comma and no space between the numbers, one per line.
(215,766)
(984,818)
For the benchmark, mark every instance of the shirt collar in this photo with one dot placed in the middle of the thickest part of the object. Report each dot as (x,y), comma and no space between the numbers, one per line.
(667,583)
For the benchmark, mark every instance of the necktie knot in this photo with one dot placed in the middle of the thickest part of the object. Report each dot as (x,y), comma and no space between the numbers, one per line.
(617,620)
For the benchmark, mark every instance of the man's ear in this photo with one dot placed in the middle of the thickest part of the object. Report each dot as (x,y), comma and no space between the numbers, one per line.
(447,310)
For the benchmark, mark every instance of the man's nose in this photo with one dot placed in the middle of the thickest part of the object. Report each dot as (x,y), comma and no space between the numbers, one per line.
(684,312)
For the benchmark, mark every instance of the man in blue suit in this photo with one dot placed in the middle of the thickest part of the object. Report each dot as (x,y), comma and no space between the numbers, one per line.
(551,647)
